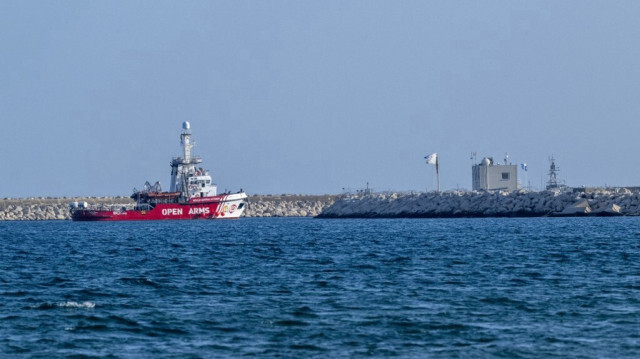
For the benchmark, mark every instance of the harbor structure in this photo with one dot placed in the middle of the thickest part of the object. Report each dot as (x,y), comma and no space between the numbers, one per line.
(490,176)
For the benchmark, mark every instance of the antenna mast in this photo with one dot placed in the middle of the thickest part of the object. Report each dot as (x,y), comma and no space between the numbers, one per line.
(553,175)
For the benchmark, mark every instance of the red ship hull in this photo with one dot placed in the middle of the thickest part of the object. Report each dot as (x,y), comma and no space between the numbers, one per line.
(193,196)
(219,207)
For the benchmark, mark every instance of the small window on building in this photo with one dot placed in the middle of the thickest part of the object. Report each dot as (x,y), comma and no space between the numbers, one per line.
(505,175)
(203,184)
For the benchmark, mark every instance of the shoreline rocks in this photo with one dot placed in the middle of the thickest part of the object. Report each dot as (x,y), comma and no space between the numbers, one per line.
(48,208)
(288,205)
(453,204)
(601,202)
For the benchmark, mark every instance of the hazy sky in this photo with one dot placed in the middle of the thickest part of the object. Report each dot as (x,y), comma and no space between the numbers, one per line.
(315,96)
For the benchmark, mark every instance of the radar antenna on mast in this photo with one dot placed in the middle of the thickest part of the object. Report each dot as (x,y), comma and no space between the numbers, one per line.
(553,184)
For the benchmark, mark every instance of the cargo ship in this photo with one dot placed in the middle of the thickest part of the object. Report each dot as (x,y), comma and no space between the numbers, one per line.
(192,195)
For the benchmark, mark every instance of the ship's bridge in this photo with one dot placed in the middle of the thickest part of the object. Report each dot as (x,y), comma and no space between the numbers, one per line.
(201,186)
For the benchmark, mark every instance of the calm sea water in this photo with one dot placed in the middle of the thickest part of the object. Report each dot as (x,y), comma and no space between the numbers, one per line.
(530,288)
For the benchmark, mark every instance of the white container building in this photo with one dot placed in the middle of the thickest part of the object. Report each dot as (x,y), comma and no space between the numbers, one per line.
(489,176)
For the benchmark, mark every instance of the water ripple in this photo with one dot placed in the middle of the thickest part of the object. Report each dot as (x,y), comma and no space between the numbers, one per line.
(516,288)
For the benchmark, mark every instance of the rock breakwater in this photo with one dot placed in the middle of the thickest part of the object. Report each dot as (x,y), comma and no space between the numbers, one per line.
(486,204)
(48,208)
(288,205)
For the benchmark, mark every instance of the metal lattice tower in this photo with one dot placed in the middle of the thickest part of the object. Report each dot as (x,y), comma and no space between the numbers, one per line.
(553,175)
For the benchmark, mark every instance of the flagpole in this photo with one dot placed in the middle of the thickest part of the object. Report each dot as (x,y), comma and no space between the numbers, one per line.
(432,159)
(437,174)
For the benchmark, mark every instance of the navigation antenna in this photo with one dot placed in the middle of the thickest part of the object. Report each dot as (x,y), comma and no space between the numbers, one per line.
(553,175)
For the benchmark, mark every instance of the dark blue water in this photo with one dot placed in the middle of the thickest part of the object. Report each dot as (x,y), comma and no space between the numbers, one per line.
(530,288)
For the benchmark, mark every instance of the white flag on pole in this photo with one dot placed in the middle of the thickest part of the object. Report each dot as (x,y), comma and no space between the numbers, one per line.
(432,159)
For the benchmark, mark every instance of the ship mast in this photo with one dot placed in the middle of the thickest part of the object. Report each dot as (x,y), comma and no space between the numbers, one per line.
(183,167)
(185,141)
(553,175)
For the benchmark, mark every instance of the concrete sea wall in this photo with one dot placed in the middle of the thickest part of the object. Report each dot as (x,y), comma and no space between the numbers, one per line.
(486,204)
(47,208)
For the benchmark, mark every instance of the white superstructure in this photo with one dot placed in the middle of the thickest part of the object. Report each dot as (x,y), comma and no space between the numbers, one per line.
(186,178)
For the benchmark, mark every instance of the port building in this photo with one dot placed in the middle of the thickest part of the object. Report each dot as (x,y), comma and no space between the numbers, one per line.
(490,176)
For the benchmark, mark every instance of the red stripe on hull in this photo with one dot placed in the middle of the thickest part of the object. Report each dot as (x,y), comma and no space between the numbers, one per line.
(160,212)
